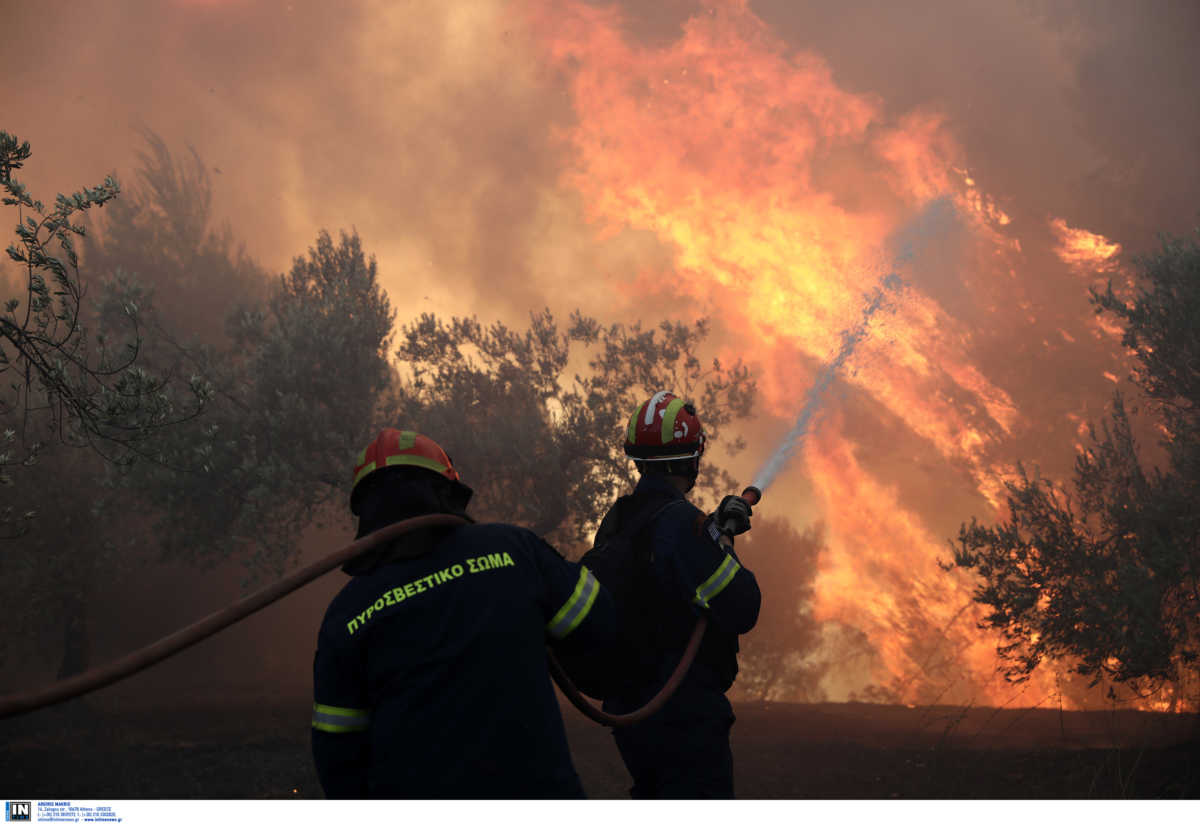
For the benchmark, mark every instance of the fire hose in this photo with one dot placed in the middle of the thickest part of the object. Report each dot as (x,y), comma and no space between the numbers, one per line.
(192,634)
(752,496)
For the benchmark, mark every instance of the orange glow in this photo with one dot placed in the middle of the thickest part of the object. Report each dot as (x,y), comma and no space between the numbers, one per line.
(886,581)
(1088,252)
(780,193)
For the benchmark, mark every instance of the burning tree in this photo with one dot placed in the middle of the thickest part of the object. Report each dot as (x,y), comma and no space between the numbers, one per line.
(1109,575)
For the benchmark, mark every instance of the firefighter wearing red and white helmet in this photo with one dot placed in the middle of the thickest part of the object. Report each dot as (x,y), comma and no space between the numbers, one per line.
(430,677)
(664,428)
(682,751)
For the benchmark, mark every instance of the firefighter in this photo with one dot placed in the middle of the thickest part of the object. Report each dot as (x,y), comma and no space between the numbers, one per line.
(430,676)
(683,750)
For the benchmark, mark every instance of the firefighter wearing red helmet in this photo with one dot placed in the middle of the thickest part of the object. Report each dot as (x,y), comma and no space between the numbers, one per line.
(430,676)
(683,750)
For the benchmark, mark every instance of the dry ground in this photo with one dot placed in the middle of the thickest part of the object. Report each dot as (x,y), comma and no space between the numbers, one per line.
(789,751)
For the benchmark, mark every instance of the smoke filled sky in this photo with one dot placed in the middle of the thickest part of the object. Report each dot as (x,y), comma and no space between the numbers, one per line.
(757,162)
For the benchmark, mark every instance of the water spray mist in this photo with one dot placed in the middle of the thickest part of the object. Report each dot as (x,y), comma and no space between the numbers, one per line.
(935,219)
(812,400)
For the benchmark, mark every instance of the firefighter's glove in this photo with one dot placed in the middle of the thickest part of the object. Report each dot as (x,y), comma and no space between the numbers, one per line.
(733,515)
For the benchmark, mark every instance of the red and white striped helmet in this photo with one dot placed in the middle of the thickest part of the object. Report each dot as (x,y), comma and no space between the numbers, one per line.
(664,428)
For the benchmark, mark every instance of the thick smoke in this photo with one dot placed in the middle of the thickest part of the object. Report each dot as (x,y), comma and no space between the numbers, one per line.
(1069,108)
(436,129)
(426,126)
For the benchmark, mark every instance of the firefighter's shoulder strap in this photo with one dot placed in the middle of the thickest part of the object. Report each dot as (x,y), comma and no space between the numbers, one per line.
(629,525)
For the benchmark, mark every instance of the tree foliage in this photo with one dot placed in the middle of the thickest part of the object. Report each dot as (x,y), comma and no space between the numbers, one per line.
(158,239)
(297,391)
(83,369)
(85,384)
(541,449)
(1107,575)
(295,368)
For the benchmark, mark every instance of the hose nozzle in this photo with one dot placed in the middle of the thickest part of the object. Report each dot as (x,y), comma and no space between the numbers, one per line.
(751,495)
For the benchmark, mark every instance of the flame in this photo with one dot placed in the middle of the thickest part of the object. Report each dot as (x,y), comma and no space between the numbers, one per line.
(1091,255)
(1086,252)
(899,594)
(715,143)
(784,197)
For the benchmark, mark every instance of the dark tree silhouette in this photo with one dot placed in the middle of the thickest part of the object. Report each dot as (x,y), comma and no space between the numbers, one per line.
(1107,575)
(297,393)
(68,376)
(545,451)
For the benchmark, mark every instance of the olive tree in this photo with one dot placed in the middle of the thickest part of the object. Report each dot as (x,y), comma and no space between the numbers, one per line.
(1106,573)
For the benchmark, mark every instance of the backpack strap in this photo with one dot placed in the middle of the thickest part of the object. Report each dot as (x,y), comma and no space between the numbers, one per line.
(644,518)
(654,641)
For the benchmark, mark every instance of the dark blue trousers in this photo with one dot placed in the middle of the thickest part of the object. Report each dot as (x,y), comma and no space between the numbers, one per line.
(678,757)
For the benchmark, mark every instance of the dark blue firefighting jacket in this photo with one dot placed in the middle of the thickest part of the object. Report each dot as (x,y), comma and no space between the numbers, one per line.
(696,576)
(430,675)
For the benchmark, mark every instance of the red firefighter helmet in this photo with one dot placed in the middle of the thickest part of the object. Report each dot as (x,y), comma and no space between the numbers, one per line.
(664,428)
(401,447)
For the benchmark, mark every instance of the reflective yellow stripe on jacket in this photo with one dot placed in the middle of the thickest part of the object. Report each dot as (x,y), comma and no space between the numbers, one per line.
(577,606)
(339,719)
(717,581)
